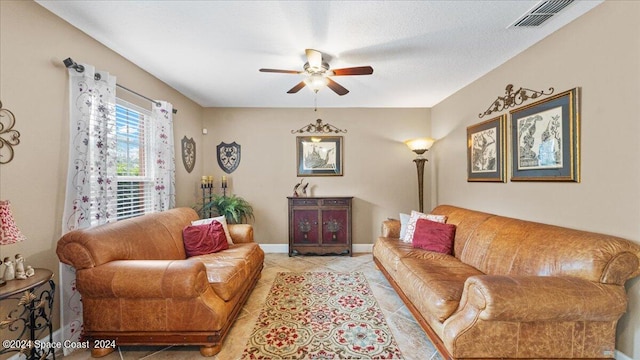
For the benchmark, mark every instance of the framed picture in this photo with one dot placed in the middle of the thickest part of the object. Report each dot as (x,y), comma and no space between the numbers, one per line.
(486,149)
(319,155)
(546,139)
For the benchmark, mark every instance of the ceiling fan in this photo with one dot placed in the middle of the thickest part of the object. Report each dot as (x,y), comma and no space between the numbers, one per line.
(318,74)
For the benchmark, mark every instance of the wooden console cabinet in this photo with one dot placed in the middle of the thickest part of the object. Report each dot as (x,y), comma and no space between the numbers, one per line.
(320,225)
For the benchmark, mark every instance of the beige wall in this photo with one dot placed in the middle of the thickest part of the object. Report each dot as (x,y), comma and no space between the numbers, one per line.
(599,52)
(378,167)
(33,85)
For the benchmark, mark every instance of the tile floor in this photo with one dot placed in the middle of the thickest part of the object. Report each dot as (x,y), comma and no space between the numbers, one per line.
(408,334)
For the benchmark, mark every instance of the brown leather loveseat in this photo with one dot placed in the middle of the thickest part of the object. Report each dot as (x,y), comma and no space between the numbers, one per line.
(513,288)
(138,286)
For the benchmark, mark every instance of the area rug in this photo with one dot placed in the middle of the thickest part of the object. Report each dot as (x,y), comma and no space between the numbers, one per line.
(321,315)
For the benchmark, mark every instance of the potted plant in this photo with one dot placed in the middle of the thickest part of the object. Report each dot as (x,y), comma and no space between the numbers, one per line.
(234,208)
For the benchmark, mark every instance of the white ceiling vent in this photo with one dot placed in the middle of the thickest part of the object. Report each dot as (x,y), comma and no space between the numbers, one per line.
(541,13)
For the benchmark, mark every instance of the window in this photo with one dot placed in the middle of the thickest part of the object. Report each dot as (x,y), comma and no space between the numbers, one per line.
(134,173)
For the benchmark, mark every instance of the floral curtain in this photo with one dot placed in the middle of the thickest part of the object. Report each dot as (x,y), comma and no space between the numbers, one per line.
(163,155)
(92,186)
(91,179)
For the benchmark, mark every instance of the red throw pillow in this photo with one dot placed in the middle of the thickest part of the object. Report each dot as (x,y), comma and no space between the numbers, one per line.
(204,239)
(434,236)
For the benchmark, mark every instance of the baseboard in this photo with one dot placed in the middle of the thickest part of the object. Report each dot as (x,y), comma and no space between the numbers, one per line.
(284,248)
(275,248)
(362,248)
(621,356)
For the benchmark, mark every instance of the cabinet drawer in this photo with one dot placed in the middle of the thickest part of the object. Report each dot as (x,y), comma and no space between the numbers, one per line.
(305,202)
(335,202)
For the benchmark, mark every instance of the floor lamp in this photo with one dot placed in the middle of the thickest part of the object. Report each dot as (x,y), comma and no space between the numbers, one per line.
(420,146)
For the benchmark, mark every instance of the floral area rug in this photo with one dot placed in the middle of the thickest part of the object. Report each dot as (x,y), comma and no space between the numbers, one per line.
(321,315)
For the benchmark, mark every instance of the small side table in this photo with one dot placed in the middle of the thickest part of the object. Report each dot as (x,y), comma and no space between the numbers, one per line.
(31,317)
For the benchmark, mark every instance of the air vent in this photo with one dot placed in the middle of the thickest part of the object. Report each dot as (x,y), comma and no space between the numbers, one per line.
(541,13)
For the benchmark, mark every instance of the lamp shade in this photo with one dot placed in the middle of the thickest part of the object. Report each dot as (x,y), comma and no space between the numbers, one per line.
(9,232)
(419,145)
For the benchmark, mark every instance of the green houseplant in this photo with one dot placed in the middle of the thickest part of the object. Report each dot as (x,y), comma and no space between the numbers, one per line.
(234,208)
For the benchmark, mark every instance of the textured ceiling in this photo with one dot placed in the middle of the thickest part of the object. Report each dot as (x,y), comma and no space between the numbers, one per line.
(210,51)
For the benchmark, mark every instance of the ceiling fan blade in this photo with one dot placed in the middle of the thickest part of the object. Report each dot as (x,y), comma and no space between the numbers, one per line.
(360,70)
(314,57)
(281,71)
(337,88)
(296,88)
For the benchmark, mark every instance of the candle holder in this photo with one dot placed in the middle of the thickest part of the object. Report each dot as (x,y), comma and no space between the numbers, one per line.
(207,195)
(224,186)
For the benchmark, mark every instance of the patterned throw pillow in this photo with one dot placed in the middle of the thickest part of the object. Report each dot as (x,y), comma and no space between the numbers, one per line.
(404,221)
(411,225)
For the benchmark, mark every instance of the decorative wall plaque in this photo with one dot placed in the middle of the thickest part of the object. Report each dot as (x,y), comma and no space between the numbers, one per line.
(188,153)
(228,156)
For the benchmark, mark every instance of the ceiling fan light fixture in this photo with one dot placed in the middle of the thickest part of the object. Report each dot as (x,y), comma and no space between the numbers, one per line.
(316,82)
(318,74)
(316,68)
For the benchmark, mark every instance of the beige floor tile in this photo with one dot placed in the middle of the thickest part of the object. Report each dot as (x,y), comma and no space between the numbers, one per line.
(408,334)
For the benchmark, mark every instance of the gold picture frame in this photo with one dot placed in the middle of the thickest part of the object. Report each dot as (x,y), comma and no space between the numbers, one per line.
(545,138)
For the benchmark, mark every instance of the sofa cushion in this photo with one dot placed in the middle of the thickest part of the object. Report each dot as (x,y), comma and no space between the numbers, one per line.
(156,236)
(204,239)
(434,236)
(436,282)
(390,250)
(228,270)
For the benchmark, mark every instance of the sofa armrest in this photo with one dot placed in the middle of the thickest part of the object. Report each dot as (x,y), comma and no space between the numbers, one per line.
(241,233)
(165,279)
(542,298)
(391,228)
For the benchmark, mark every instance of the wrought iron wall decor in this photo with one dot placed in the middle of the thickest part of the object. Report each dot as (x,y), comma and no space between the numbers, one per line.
(318,128)
(513,98)
(8,137)
(188,153)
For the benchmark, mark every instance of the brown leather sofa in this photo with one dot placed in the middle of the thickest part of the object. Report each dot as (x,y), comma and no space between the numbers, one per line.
(513,288)
(138,287)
